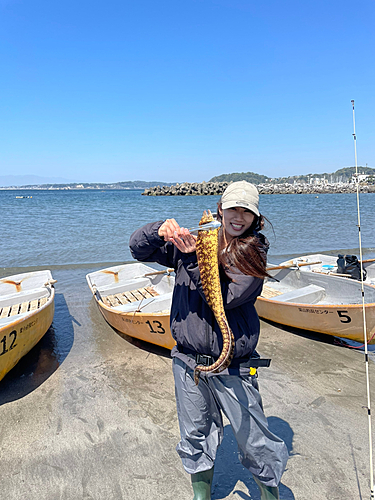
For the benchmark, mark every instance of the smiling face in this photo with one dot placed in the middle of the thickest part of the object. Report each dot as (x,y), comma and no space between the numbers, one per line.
(235,221)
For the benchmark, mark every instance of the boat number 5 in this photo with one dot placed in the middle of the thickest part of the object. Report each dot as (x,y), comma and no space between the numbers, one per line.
(157,325)
(344,316)
(13,336)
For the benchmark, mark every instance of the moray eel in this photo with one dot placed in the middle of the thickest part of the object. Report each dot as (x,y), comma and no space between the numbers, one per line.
(207,249)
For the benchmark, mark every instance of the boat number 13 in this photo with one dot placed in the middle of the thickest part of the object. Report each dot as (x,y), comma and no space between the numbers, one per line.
(344,316)
(12,340)
(155,327)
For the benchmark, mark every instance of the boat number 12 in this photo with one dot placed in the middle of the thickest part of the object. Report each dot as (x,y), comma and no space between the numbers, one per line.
(12,340)
(344,316)
(157,325)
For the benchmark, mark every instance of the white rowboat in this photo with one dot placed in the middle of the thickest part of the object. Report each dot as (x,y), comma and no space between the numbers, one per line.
(327,264)
(26,313)
(136,300)
(318,302)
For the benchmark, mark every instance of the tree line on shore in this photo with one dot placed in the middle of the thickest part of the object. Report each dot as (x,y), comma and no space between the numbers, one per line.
(341,175)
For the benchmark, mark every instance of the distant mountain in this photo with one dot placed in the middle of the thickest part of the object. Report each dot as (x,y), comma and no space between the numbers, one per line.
(22,180)
(341,175)
(138,184)
(10,183)
(243,176)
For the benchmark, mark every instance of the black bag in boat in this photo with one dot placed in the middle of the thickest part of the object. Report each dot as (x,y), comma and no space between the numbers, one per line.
(351,266)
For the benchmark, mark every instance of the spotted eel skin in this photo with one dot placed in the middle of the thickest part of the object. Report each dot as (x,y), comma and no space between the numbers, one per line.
(207,249)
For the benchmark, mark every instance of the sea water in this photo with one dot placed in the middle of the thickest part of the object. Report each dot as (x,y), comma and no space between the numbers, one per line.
(59,228)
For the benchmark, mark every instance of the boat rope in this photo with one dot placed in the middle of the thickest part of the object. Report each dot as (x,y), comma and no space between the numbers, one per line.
(355,346)
(364,311)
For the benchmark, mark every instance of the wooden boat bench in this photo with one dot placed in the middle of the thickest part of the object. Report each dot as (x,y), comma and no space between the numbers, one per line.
(269,292)
(310,294)
(122,298)
(23,307)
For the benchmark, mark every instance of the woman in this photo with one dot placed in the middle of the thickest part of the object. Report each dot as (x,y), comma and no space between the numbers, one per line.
(234,391)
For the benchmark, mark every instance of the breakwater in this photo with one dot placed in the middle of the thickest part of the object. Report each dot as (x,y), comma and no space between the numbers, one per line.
(217,188)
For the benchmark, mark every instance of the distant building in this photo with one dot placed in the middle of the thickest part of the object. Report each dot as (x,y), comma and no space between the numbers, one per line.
(359,178)
(318,180)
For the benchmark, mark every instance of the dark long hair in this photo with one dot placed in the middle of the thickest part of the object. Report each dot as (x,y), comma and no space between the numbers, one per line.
(246,252)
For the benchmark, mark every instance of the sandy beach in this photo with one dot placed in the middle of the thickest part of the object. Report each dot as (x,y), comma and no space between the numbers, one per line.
(90,415)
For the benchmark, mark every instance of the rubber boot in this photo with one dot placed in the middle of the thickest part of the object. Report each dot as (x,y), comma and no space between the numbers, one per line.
(202,482)
(267,492)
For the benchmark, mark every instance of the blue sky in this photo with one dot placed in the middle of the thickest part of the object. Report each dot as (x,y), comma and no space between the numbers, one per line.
(172,90)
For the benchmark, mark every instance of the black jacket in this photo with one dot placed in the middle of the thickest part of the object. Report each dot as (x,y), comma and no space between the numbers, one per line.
(193,324)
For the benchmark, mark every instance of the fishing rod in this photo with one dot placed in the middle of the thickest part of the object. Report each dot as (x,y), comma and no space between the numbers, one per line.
(364,311)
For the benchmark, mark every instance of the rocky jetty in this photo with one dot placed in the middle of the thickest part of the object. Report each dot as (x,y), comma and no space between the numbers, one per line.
(187,189)
(217,188)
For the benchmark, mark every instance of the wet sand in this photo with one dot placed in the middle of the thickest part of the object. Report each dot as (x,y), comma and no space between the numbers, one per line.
(89,414)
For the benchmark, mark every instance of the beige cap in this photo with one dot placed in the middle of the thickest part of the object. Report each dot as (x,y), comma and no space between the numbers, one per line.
(241,194)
